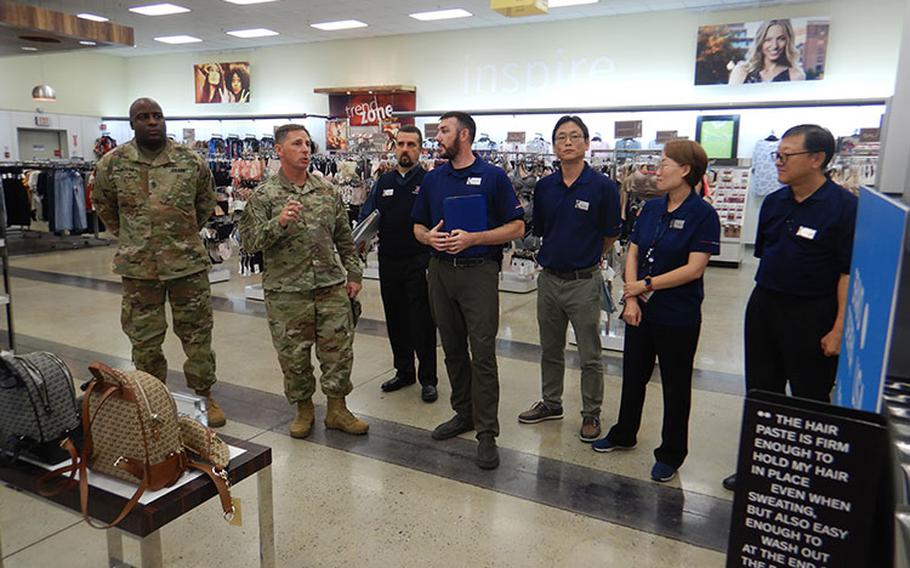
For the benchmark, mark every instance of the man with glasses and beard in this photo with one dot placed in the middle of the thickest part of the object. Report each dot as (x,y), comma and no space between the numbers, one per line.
(795,315)
(464,275)
(403,265)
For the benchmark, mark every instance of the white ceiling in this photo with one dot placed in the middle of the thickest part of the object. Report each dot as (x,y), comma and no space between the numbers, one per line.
(209,19)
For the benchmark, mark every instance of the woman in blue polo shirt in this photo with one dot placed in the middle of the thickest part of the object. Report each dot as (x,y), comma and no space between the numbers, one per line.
(671,243)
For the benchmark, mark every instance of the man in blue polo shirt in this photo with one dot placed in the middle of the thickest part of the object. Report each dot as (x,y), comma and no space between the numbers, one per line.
(795,315)
(576,211)
(465,211)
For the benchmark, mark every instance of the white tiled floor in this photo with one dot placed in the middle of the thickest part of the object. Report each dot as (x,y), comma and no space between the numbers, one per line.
(334,508)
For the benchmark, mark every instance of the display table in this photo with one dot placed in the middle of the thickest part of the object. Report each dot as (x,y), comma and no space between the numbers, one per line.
(144,521)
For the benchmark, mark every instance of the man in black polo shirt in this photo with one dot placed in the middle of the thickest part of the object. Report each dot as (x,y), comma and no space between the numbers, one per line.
(795,315)
(403,268)
(576,211)
(467,193)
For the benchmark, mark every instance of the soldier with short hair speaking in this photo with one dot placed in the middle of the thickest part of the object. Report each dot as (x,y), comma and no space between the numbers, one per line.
(299,223)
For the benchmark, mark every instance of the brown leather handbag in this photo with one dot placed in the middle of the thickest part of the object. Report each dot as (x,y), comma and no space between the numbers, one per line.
(132,432)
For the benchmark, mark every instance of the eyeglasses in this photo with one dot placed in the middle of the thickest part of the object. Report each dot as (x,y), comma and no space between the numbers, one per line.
(783,158)
(575,138)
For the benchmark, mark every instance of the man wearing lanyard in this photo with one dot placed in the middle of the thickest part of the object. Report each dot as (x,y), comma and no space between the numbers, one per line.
(795,315)
(576,211)
(464,275)
(402,268)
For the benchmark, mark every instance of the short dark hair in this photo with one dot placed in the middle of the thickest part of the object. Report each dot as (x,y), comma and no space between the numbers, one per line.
(816,139)
(688,153)
(282,131)
(464,120)
(411,129)
(571,118)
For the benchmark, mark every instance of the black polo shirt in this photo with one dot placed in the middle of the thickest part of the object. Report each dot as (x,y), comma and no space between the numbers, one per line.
(805,247)
(393,195)
(573,221)
(480,178)
(664,242)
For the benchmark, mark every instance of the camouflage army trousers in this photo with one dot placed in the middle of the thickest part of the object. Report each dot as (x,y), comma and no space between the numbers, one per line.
(143,320)
(297,320)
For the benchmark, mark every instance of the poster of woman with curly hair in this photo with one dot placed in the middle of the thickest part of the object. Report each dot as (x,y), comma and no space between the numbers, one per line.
(222,82)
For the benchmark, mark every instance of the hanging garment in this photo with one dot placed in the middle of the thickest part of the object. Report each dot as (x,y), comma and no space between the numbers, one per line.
(69,198)
(764,172)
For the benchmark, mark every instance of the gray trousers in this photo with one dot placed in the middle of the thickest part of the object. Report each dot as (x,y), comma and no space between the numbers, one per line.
(465,305)
(558,303)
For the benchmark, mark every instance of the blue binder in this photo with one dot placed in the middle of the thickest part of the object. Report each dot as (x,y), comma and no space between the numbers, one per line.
(465,212)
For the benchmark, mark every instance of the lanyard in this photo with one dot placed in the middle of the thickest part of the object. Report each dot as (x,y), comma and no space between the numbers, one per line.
(663,226)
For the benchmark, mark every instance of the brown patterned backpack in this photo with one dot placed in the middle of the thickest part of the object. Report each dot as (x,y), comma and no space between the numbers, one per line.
(132,432)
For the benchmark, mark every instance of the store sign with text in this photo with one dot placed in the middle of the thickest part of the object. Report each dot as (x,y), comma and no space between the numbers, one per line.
(372,109)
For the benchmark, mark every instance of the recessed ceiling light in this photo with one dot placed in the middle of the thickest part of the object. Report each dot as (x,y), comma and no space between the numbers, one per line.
(159,9)
(564,3)
(29,48)
(92,17)
(255,32)
(178,39)
(441,15)
(244,2)
(339,25)
(86,42)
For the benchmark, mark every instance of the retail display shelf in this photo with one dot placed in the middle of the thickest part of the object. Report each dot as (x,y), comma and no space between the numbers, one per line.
(217,275)
(254,292)
(517,283)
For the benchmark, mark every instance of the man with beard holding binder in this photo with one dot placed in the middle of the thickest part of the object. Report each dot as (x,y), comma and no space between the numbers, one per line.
(465,211)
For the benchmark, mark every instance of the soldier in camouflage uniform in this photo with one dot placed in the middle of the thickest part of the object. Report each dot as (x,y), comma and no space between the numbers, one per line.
(312,272)
(154,196)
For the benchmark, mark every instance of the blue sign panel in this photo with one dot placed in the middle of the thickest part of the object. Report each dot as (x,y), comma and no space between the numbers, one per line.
(881,225)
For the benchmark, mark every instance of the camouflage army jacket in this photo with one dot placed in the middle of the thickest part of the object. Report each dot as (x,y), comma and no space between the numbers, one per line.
(313,252)
(155,209)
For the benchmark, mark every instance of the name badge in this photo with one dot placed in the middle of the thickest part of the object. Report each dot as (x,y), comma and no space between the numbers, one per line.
(583,205)
(677,223)
(474,181)
(806,233)
(388,192)
(416,190)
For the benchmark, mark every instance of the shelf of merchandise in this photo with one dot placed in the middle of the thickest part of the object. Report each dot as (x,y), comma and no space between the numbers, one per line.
(6,296)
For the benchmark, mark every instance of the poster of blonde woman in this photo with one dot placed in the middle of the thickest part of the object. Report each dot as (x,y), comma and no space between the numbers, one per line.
(771,51)
(222,82)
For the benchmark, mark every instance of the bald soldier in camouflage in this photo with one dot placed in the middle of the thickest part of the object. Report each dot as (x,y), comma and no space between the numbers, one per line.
(154,196)
(312,273)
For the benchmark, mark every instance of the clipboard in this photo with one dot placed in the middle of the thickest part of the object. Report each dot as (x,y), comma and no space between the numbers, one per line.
(465,212)
(365,232)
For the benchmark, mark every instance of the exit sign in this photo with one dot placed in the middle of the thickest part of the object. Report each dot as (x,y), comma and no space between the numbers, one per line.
(42,121)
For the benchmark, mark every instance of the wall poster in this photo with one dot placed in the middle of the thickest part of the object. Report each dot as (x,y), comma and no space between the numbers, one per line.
(772,51)
(222,82)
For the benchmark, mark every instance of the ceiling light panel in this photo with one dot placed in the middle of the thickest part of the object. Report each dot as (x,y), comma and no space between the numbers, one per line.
(339,25)
(245,2)
(87,42)
(178,39)
(441,15)
(564,3)
(92,17)
(251,33)
(159,9)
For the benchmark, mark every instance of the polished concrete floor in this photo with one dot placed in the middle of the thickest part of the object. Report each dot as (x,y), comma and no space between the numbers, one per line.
(395,497)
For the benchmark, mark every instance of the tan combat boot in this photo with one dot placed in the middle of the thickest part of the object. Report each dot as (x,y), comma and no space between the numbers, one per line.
(338,417)
(303,422)
(216,417)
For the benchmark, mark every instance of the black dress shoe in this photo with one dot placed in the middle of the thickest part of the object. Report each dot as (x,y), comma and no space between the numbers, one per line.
(487,453)
(397,382)
(729,483)
(428,393)
(457,425)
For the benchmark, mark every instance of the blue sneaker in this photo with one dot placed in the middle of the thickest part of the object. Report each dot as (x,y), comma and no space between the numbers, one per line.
(662,472)
(605,445)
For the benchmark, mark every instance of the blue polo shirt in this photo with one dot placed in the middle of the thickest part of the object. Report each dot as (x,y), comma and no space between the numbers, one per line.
(805,247)
(573,221)
(480,178)
(664,242)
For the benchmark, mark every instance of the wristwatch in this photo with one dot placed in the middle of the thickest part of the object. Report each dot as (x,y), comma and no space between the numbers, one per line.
(648,284)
